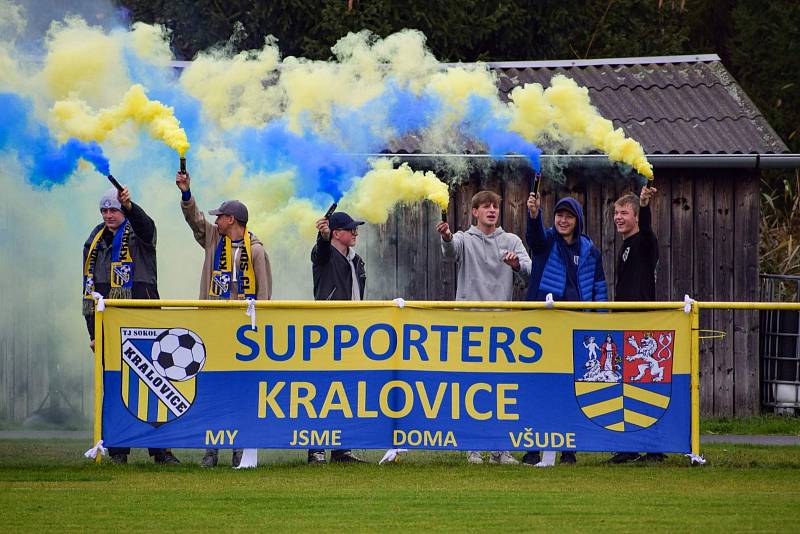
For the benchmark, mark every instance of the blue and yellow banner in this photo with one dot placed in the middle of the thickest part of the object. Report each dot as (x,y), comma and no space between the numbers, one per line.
(381,377)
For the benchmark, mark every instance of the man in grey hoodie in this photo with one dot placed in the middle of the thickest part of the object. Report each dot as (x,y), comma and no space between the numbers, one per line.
(487,260)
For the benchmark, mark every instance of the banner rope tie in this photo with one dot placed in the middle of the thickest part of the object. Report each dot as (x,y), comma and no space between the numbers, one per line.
(695,459)
(100,303)
(687,303)
(97,449)
(392,455)
(549,303)
(251,312)
(400,303)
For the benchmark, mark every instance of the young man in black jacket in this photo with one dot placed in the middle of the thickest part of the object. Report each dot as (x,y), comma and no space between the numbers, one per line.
(339,274)
(119,261)
(636,268)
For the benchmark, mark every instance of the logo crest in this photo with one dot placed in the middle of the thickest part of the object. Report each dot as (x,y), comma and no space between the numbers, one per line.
(120,273)
(158,372)
(220,283)
(623,378)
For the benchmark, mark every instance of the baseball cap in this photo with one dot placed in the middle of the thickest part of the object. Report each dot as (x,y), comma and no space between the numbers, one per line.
(342,221)
(565,205)
(232,207)
(110,200)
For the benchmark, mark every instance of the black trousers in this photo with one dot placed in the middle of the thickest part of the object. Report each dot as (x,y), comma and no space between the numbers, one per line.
(113,451)
(334,453)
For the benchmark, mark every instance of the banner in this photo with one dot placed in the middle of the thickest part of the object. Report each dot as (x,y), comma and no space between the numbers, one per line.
(381,377)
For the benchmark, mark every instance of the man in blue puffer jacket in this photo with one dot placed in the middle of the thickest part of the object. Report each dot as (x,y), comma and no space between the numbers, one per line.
(565,263)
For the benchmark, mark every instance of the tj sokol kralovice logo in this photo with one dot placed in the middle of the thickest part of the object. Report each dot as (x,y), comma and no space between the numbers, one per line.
(158,372)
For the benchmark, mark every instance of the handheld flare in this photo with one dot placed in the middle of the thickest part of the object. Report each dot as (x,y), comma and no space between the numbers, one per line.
(444,215)
(115,183)
(537,182)
(330,210)
(183,165)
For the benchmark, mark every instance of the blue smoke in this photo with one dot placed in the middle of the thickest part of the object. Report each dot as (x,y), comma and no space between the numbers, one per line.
(397,112)
(327,163)
(482,123)
(47,163)
(409,112)
(320,165)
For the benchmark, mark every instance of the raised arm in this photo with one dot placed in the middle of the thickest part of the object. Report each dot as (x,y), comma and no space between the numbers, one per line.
(194,217)
(645,216)
(321,253)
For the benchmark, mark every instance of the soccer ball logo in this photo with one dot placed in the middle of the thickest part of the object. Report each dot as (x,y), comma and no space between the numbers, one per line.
(178,354)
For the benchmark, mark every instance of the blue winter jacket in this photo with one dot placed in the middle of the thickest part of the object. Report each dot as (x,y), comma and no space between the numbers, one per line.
(550,257)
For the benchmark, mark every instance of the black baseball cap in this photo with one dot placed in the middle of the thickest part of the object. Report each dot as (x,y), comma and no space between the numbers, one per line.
(342,221)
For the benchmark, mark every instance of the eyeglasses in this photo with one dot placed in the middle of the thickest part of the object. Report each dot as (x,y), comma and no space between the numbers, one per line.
(354,231)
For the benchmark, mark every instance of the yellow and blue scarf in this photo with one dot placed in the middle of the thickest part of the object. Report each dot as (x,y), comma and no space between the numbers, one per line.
(121,275)
(222,273)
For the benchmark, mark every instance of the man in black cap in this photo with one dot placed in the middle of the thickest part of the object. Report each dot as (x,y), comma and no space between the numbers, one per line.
(339,274)
(236,265)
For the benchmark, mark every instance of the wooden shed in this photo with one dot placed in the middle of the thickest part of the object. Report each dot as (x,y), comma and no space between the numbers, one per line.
(708,143)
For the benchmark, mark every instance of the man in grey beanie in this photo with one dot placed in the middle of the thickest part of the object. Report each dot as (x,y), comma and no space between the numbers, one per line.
(119,261)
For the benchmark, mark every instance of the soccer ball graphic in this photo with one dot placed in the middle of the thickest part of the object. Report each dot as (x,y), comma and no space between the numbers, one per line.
(178,354)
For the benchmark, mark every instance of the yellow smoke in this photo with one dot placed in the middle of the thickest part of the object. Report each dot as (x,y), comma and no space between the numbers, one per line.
(75,119)
(85,61)
(252,87)
(9,73)
(374,195)
(456,85)
(404,57)
(232,89)
(564,112)
(150,42)
(313,88)
(533,113)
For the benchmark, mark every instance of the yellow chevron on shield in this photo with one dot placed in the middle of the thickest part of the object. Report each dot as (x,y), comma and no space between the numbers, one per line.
(147,394)
(622,407)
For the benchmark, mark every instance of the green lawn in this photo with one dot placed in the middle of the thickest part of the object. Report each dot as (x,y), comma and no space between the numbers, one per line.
(51,487)
(759,424)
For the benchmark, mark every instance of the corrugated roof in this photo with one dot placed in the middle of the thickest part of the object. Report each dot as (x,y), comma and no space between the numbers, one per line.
(669,105)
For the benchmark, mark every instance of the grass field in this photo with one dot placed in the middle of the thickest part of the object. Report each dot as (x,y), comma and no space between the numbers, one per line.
(50,486)
(757,424)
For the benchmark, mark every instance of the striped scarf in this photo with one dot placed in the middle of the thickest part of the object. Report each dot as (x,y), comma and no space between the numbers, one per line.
(222,273)
(121,271)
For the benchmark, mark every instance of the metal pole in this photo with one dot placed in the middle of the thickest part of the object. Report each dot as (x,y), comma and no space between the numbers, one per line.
(98,379)
(695,379)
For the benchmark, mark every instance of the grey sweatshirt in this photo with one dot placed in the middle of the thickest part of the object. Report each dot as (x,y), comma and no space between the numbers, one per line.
(482,274)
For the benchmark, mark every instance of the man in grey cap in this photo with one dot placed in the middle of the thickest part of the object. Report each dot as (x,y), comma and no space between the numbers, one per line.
(236,266)
(339,274)
(119,261)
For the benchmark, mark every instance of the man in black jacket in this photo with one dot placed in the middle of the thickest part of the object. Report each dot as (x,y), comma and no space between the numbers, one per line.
(339,274)
(119,261)
(636,269)
(335,264)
